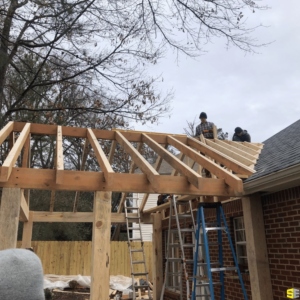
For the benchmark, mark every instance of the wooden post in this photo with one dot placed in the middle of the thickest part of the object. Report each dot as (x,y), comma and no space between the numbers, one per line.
(157,259)
(27,232)
(261,287)
(9,217)
(101,246)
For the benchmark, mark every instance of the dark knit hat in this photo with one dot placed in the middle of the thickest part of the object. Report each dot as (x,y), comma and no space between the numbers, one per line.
(203,115)
(238,130)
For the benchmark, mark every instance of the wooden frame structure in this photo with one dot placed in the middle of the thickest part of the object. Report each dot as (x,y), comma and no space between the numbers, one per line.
(220,158)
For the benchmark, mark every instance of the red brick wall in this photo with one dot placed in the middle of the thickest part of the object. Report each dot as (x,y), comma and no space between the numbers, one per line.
(282,225)
(233,289)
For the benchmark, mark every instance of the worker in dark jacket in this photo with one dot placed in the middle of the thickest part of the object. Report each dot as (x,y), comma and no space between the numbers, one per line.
(205,128)
(241,135)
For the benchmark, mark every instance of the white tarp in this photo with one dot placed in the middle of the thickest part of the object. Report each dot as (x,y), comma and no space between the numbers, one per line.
(51,282)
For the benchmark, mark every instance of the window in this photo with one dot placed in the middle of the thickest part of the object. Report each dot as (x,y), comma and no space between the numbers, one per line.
(240,241)
(173,280)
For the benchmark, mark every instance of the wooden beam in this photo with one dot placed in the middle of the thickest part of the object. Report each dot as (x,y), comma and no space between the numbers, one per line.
(52,200)
(181,158)
(112,151)
(132,136)
(5,131)
(101,157)
(193,177)
(125,195)
(157,208)
(227,161)
(26,162)
(156,167)
(257,252)
(253,146)
(44,179)
(157,259)
(235,182)
(230,153)
(59,156)
(12,157)
(139,160)
(244,148)
(24,209)
(9,217)
(101,246)
(80,217)
(85,153)
(236,150)
(27,232)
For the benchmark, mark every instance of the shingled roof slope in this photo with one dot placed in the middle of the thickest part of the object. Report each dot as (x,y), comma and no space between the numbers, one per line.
(280,151)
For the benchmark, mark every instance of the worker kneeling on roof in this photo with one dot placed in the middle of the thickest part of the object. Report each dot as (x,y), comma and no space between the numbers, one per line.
(205,128)
(241,135)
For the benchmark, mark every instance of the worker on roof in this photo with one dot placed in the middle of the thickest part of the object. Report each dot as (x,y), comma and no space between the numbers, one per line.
(205,128)
(241,135)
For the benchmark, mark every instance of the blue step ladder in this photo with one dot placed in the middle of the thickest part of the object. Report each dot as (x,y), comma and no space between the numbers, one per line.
(200,280)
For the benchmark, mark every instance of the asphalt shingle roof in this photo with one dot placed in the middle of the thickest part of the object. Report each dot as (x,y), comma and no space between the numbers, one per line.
(280,151)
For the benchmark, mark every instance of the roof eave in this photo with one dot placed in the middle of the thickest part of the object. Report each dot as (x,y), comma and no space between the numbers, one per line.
(281,180)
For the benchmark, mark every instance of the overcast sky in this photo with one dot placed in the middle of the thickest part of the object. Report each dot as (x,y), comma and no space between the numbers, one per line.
(260,93)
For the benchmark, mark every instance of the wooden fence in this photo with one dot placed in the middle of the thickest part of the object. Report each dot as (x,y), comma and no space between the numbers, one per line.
(73,258)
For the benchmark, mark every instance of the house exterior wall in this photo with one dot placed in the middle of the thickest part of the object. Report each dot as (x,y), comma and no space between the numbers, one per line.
(147,229)
(282,226)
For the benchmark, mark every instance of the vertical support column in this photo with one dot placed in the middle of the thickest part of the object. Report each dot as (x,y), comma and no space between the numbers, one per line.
(9,217)
(260,278)
(101,246)
(157,259)
(27,232)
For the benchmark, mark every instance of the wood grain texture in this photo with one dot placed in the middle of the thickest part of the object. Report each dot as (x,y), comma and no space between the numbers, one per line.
(27,232)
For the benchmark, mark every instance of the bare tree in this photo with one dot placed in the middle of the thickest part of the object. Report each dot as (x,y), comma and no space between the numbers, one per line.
(100,50)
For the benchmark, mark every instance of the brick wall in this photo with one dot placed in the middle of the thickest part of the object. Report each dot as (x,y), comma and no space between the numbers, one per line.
(233,289)
(282,225)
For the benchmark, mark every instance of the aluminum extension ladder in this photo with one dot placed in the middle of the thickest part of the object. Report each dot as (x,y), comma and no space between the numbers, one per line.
(187,215)
(207,227)
(137,220)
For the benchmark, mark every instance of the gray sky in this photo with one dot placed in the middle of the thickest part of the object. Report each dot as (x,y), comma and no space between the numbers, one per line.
(260,93)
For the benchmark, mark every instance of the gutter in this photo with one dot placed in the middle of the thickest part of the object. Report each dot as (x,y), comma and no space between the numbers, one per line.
(278,181)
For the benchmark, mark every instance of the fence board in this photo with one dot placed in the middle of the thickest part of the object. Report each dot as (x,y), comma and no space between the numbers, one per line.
(73,258)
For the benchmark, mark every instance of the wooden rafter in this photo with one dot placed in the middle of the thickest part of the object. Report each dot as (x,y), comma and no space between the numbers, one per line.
(193,177)
(59,156)
(227,161)
(220,172)
(112,151)
(236,150)
(230,153)
(244,148)
(139,160)
(131,171)
(85,153)
(13,155)
(5,131)
(156,167)
(101,157)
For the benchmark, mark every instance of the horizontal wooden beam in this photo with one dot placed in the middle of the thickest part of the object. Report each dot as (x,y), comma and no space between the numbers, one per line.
(157,208)
(235,182)
(14,153)
(101,157)
(139,160)
(132,136)
(59,156)
(5,131)
(80,217)
(192,176)
(24,209)
(44,179)
(220,157)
